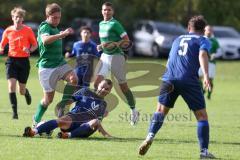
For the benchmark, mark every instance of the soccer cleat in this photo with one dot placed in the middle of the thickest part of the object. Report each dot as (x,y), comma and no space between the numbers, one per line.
(204,154)
(15,116)
(134,117)
(62,135)
(28,97)
(28,132)
(143,148)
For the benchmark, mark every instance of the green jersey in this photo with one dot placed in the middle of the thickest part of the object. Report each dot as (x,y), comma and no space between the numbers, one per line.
(214,47)
(51,54)
(111,31)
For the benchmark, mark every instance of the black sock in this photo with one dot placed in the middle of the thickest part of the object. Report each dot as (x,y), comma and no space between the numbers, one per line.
(13,101)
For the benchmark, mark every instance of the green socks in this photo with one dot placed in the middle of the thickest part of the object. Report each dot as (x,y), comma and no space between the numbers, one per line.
(40,111)
(130,99)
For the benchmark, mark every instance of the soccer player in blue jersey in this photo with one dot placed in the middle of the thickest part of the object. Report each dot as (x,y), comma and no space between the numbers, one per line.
(85,51)
(84,119)
(188,53)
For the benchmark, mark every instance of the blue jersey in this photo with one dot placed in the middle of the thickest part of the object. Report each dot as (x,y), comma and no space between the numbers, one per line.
(88,105)
(183,62)
(84,52)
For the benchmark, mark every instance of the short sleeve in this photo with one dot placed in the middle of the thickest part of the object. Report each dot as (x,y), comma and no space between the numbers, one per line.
(205,45)
(119,29)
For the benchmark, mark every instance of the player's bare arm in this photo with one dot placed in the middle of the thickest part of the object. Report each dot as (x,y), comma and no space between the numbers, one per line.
(48,39)
(203,59)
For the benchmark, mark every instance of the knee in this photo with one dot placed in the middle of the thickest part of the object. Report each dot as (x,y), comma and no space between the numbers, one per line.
(74,80)
(201,115)
(94,123)
(124,87)
(46,101)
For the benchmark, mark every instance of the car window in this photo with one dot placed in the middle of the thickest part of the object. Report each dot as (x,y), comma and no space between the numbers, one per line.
(228,33)
(139,26)
(149,28)
(171,29)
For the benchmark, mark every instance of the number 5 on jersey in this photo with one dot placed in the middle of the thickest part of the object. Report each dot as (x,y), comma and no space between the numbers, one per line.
(183,46)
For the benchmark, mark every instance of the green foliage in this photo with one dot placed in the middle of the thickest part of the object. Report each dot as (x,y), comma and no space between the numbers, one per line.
(128,11)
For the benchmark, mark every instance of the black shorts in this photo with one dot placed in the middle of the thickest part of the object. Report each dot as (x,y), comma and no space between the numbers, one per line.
(18,68)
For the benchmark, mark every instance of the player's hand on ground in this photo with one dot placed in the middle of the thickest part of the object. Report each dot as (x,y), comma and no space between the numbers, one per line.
(108,136)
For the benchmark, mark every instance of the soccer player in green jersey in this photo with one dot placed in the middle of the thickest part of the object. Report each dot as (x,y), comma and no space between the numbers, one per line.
(51,64)
(110,30)
(214,53)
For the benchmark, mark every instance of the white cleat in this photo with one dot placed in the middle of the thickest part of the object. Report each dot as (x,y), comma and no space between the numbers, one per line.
(34,123)
(204,154)
(134,117)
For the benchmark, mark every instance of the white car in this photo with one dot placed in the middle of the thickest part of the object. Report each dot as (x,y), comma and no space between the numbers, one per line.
(154,38)
(229,41)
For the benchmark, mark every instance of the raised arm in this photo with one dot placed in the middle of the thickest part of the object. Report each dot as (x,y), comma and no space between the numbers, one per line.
(48,39)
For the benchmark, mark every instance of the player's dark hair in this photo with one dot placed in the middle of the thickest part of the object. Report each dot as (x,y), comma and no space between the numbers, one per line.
(109,82)
(85,28)
(198,23)
(109,4)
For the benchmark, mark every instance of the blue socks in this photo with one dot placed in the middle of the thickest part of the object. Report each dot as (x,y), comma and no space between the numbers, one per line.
(155,124)
(203,134)
(47,127)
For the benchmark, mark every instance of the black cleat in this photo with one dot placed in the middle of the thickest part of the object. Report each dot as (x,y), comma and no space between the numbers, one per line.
(15,116)
(28,97)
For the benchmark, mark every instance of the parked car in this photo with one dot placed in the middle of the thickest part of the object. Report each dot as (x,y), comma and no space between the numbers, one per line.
(76,24)
(229,41)
(154,38)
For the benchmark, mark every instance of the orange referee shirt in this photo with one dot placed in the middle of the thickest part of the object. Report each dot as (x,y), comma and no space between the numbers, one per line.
(18,40)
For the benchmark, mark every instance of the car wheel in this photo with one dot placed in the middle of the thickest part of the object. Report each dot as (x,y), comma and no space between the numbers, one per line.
(155,51)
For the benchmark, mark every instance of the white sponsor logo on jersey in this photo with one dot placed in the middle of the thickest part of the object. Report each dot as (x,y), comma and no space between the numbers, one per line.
(94,105)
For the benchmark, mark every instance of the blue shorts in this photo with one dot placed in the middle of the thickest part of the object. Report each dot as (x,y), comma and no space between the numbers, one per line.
(77,121)
(191,91)
(84,76)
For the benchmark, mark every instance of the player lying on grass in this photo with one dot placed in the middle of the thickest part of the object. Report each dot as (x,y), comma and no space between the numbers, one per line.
(84,119)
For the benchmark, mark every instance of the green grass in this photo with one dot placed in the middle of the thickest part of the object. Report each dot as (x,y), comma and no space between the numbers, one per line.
(176,140)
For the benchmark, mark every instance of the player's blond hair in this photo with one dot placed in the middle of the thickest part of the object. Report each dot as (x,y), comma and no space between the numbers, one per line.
(19,11)
(52,8)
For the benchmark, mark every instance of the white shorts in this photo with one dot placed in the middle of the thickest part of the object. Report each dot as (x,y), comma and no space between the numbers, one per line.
(211,70)
(116,64)
(49,77)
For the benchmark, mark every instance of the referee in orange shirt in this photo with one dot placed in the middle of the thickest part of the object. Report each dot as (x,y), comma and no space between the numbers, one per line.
(22,42)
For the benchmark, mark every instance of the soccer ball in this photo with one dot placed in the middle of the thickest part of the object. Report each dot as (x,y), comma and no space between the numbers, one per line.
(49,134)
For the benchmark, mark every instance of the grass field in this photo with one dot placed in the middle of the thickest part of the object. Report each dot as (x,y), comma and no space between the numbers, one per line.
(176,140)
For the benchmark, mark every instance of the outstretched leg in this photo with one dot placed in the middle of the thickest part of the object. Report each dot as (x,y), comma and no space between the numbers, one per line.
(155,125)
